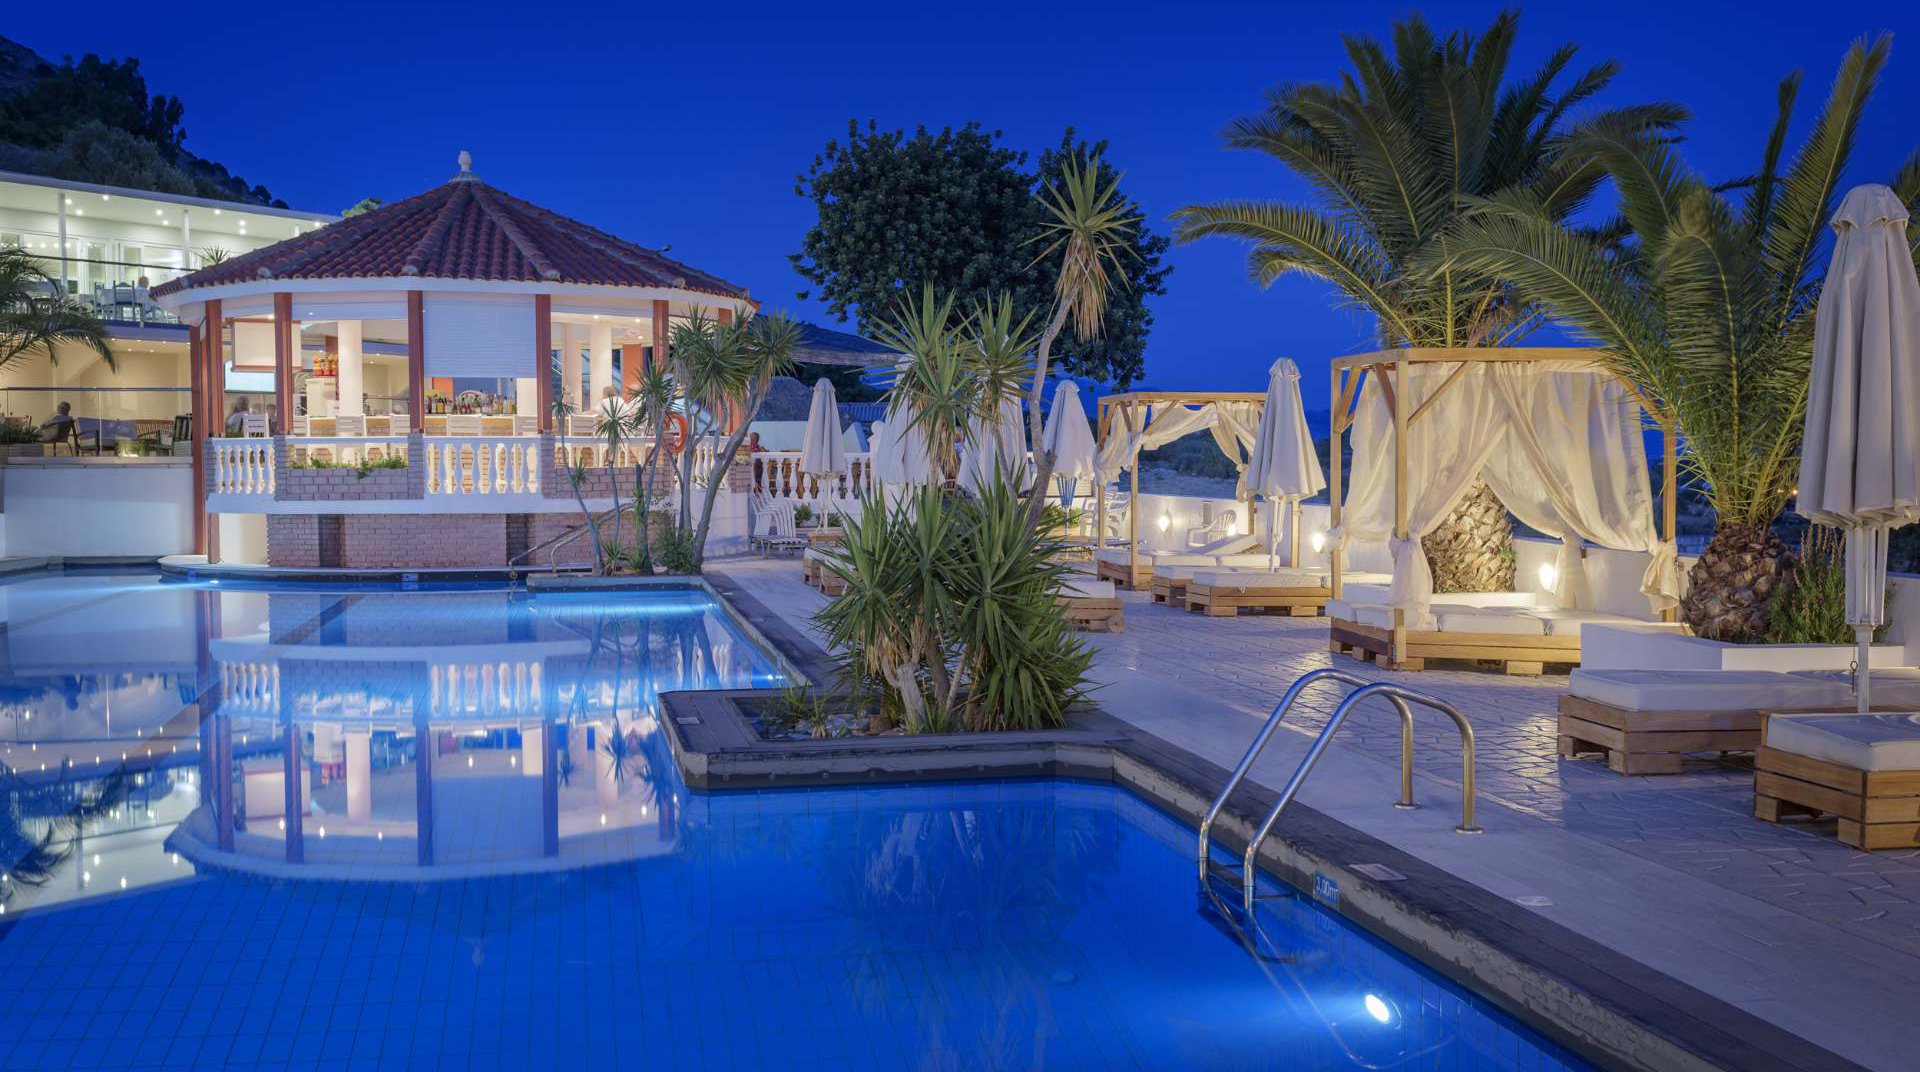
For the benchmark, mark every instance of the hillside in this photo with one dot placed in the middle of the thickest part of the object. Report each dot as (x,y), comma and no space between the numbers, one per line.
(93,120)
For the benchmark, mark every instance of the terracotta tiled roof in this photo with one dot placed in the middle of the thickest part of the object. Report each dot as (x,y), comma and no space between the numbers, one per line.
(463,229)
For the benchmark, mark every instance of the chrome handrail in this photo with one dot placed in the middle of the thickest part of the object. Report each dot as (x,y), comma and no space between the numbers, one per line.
(552,544)
(1397,695)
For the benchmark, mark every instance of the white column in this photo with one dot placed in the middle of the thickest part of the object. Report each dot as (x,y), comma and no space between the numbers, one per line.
(60,203)
(526,396)
(569,364)
(600,372)
(186,240)
(352,381)
(359,774)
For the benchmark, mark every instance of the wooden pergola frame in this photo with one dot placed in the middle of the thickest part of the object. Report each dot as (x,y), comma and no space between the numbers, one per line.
(1390,367)
(1105,411)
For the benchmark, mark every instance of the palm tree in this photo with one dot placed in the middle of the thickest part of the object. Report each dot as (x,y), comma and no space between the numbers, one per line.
(1708,310)
(1088,229)
(36,317)
(1395,152)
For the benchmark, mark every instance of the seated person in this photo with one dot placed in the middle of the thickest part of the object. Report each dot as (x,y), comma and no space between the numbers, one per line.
(59,427)
(237,420)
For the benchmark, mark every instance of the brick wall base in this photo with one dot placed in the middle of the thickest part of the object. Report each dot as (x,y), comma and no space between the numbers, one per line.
(424,541)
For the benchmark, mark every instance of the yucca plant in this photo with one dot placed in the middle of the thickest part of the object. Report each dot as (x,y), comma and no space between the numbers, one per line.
(953,605)
(1395,152)
(1708,309)
(724,371)
(1089,231)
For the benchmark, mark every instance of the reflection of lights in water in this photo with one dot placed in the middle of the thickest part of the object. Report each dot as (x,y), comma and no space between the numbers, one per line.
(379,835)
(283,824)
(1378,1008)
(123,882)
(603,819)
(323,831)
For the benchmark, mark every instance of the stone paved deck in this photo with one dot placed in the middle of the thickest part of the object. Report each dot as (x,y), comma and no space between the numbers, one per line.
(1781,920)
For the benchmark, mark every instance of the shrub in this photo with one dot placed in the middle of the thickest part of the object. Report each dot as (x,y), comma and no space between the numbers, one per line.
(953,605)
(1812,609)
(674,550)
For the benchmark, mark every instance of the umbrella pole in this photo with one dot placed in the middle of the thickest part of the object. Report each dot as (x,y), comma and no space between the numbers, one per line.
(1862,675)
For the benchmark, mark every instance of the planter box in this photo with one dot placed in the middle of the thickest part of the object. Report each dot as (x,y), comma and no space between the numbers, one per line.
(1627,647)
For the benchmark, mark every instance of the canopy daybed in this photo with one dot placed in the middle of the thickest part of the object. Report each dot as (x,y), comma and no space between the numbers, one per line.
(1142,420)
(1556,435)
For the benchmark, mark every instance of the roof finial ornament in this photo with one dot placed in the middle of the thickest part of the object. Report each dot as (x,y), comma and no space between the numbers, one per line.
(466,167)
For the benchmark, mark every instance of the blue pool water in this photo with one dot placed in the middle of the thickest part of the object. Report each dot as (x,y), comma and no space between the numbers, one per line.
(490,864)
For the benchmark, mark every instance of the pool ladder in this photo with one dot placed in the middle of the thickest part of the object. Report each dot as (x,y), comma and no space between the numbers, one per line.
(1402,699)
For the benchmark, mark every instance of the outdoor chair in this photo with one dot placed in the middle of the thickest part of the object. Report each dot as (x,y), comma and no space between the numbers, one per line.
(253,426)
(1222,525)
(779,532)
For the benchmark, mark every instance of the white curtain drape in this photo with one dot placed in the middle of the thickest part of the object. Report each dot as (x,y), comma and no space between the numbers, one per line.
(1574,466)
(1559,444)
(1129,434)
(1235,427)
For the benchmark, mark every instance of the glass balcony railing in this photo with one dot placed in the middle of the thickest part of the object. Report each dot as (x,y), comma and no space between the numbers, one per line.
(118,291)
(97,421)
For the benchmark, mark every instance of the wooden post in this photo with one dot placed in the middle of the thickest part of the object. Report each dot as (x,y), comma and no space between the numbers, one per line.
(284,341)
(1670,501)
(416,361)
(1133,517)
(661,336)
(1336,428)
(543,360)
(213,342)
(1401,401)
(198,421)
(1101,420)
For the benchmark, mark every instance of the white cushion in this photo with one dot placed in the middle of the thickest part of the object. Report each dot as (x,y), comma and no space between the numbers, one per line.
(1505,620)
(1568,623)
(1874,742)
(813,554)
(1704,690)
(1489,599)
(1243,580)
(1152,559)
(1247,561)
(1077,587)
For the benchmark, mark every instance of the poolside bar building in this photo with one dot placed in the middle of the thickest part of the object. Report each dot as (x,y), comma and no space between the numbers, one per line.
(407,363)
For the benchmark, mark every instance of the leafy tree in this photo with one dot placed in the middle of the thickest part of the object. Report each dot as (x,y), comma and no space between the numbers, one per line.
(960,211)
(362,206)
(95,152)
(113,92)
(1709,310)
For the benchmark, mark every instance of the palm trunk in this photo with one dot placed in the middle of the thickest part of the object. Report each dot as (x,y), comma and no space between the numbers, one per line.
(721,463)
(593,526)
(1043,459)
(1733,585)
(1472,550)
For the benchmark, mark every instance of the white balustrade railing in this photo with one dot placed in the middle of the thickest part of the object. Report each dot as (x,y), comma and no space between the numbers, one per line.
(482,465)
(241,466)
(591,453)
(344,450)
(777,475)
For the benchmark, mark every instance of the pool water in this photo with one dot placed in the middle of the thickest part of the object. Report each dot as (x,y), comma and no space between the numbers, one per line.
(489,862)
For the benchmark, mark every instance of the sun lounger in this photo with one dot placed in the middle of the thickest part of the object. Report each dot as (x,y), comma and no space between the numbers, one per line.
(1863,770)
(1644,721)
(1169,583)
(1224,593)
(814,571)
(1111,562)
(1510,628)
(1092,605)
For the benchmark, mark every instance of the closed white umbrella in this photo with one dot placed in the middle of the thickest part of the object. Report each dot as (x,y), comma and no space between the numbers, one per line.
(821,451)
(1284,466)
(1068,436)
(1860,463)
(997,446)
(900,457)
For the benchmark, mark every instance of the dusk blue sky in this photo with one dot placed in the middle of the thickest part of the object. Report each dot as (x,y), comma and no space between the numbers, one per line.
(686,124)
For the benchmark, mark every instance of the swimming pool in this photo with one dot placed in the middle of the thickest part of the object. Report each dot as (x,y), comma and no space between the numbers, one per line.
(490,863)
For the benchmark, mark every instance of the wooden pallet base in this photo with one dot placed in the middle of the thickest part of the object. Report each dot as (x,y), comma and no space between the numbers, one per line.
(1651,742)
(1875,809)
(1516,654)
(1117,573)
(1096,615)
(817,575)
(1224,602)
(1169,591)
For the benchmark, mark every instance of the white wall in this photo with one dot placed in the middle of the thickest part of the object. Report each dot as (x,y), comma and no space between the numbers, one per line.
(74,509)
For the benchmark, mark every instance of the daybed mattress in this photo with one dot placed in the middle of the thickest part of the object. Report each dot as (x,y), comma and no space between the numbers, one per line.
(1707,690)
(1871,742)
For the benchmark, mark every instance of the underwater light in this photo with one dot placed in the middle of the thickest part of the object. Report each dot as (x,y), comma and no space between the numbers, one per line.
(1378,1008)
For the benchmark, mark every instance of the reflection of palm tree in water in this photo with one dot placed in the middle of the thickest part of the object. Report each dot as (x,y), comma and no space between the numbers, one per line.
(1006,880)
(29,858)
